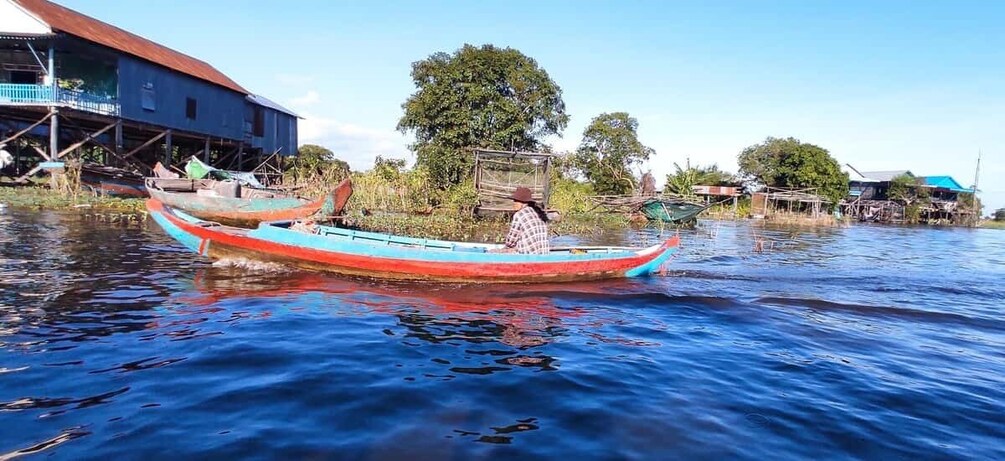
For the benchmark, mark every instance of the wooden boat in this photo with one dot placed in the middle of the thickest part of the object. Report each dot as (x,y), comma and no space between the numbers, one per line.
(112,181)
(671,211)
(388,256)
(229,203)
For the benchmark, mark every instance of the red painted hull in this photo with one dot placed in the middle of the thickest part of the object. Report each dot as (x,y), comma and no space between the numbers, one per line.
(221,242)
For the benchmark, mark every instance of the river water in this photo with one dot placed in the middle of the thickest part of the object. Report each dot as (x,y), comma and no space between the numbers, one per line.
(858,342)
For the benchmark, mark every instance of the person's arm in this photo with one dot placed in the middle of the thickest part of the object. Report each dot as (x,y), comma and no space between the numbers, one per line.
(515,232)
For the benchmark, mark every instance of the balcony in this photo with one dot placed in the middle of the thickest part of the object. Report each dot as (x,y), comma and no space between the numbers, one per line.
(12,94)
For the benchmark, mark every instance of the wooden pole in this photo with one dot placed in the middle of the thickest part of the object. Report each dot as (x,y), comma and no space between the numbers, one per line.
(118,139)
(205,152)
(17,158)
(168,149)
(53,135)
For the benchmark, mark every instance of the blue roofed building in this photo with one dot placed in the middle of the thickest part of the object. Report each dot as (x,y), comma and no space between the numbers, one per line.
(933,199)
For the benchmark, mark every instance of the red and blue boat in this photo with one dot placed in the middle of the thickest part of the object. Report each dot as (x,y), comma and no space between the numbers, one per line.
(369,254)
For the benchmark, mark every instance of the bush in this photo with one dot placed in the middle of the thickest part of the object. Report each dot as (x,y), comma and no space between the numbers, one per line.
(1000,215)
(462,198)
(570,196)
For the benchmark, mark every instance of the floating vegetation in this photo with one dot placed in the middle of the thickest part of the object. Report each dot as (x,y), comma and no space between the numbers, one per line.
(45,198)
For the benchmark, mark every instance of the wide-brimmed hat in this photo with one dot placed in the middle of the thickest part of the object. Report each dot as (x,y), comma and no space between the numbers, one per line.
(522,194)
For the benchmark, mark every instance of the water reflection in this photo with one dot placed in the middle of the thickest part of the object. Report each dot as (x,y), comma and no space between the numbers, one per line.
(499,327)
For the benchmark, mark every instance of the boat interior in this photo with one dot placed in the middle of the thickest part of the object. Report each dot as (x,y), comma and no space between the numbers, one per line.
(375,238)
(231,189)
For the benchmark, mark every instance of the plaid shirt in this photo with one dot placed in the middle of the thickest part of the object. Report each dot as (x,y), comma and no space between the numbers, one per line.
(528,233)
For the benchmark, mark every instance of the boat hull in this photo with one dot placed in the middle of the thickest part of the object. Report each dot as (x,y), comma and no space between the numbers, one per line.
(249,212)
(112,181)
(270,243)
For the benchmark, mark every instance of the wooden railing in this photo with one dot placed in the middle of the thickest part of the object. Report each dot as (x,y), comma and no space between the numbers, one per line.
(14,94)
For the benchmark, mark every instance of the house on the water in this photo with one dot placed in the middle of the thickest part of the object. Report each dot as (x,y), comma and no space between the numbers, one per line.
(71,83)
(928,199)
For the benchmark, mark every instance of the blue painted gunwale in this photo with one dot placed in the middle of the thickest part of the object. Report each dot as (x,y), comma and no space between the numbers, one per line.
(389,246)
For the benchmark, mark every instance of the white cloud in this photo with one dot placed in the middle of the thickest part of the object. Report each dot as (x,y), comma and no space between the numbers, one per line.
(356,144)
(309,99)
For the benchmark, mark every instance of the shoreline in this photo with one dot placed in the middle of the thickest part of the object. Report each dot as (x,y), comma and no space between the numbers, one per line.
(438,224)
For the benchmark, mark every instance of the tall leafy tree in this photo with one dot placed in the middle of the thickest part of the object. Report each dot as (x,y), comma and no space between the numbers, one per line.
(790,163)
(609,149)
(484,96)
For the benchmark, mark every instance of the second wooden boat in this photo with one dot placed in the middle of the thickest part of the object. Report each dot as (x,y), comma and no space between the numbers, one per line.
(112,181)
(227,202)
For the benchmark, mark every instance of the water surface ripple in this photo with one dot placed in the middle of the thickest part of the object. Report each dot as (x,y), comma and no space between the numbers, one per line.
(858,342)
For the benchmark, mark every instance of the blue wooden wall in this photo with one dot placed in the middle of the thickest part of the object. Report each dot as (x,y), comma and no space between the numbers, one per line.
(219,111)
(280,132)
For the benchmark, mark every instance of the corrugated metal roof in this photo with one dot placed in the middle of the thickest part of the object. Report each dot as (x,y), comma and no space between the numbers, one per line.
(945,182)
(884,175)
(79,25)
(266,102)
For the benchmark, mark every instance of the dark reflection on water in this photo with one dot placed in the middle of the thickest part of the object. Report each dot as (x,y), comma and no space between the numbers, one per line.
(854,342)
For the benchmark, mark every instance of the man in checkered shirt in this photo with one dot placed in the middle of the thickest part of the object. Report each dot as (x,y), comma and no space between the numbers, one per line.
(528,233)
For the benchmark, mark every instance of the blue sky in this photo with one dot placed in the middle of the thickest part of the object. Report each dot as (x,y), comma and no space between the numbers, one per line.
(917,85)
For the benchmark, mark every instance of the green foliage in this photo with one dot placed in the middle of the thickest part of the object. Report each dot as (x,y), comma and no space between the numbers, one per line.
(609,149)
(569,196)
(908,190)
(461,198)
(793,164)
(1000,215)
(314,170)
(681,183)
(478,97)
(388,187)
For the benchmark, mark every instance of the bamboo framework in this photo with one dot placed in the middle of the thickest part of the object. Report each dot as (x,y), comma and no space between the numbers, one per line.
(498,173)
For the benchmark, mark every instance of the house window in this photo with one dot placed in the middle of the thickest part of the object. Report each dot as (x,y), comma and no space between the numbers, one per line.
(147,101)
(23,77)
(190,107)
(258,128)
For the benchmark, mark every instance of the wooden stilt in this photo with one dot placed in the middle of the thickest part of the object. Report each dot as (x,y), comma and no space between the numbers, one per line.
(168,149)
(53,135)
(146,144)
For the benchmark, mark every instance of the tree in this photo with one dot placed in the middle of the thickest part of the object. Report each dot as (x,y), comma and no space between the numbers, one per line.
(484,96)
(315,164)
(1000,215)
(683,180)
(609,149)
(793,164)
(907,189)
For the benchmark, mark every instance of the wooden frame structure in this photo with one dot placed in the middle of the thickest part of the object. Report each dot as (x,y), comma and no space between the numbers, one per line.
(796,200)
(498,173)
